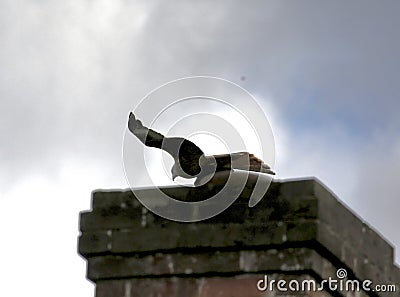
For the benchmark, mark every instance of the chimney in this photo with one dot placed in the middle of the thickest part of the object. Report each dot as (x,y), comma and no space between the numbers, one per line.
(298,236)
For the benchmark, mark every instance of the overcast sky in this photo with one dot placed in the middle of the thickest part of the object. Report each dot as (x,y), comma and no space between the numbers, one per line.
(326,73)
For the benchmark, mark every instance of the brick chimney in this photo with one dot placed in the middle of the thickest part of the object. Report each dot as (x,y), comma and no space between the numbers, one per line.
(299,231)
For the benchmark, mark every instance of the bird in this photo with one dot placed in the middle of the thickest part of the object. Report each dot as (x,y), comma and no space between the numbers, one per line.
(190,160)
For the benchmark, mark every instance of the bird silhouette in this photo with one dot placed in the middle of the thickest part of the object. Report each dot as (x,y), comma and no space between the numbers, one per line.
(190,160)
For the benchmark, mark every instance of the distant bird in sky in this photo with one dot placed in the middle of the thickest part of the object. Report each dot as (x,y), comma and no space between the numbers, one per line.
(190,160)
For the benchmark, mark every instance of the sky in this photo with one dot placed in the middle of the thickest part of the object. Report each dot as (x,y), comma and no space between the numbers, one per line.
(326,73)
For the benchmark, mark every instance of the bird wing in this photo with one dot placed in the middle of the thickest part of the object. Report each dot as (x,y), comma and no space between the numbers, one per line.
(147,136)
(179,148)
(243,161)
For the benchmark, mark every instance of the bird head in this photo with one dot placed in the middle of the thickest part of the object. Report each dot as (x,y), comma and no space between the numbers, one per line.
(175,171)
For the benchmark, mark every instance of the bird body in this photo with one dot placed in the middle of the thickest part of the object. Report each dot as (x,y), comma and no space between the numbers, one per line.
(190,160)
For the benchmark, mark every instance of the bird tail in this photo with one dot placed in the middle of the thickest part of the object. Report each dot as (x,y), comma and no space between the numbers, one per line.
(266,169)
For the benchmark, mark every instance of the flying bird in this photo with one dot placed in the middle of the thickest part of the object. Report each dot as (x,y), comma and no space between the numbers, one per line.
(190,160)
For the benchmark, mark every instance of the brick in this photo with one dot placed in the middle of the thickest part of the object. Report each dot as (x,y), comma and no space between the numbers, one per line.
(94,243)
(200,263)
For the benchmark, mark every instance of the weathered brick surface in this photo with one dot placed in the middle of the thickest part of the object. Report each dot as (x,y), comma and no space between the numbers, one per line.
(216,286)
(299,227)
(236,286)
(213,262)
